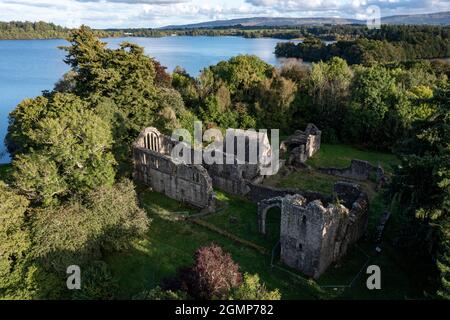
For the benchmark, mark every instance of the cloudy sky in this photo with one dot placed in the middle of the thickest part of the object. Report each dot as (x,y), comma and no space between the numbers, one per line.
(156,13)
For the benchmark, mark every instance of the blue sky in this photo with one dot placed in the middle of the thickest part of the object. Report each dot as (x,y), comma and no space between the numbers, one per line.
(156,13)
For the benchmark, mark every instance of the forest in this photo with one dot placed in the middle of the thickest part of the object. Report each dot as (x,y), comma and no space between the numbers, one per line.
(69,195)
(388,44)
(17,30)
(42,30)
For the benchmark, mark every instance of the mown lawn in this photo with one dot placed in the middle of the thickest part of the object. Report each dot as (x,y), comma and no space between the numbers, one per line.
(340,156)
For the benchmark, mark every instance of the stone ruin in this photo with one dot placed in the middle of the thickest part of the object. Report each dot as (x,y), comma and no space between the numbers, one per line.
(358,170)
(302,145)
(234,178)
(193,184)
(315,231)
(314,234)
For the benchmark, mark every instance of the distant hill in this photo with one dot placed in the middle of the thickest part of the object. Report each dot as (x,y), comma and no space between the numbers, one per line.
(265,22)
(440,18)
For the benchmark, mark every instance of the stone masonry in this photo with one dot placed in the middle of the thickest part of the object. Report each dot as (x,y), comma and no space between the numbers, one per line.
(302,145)
(154,167)
(315,231)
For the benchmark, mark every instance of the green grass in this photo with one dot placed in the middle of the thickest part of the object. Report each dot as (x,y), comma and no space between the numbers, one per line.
(246,225)
(340,156)
(171,243)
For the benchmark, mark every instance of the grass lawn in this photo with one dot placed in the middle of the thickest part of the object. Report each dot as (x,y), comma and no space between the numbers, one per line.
(340,156)
(171,243)
(245,226)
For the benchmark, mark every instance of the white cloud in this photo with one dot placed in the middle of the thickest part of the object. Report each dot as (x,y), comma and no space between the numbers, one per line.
(349,8)
(159,2)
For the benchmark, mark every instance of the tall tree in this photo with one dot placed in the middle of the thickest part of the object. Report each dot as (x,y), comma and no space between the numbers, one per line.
(422,184)
(15,243)
(64,148)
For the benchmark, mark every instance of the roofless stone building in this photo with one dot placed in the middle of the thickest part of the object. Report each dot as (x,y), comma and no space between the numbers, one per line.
(315,230)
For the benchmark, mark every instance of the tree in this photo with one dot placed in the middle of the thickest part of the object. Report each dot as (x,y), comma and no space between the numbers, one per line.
(136,87)
(214,273)
(372,96)
(187,87)
(329,91)
(107,220)
(421,186)
(274,102)
(241,74)
(64,148)
(15,243)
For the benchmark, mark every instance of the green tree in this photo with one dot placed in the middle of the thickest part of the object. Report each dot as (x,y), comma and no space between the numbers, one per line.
(241,74)
(274,102)
(15,243)
(65,148)
(422,184)
(372,96)
(328,89)
(80,233)
(135,86)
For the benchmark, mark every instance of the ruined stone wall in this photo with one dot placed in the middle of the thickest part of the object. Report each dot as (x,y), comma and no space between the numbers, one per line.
(301,234)
(257,192)
(232,178)
(358,170)
(314,140)
(302,145)
(314,234)
(155,168)
(228,178)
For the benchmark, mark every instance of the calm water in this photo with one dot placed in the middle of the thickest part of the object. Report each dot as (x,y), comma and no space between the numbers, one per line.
(30,66)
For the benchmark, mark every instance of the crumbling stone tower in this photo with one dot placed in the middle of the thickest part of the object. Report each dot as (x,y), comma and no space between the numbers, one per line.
(313,235)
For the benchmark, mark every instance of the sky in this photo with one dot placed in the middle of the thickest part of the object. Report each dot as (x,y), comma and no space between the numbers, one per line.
(158,13)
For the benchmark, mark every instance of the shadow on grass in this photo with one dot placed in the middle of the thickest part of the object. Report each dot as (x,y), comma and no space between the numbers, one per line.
(171,244)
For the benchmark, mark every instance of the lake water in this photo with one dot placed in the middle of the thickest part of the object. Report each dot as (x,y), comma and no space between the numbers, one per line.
(27,67)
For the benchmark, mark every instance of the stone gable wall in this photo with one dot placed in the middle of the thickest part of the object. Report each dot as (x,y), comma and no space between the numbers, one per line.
(155,168)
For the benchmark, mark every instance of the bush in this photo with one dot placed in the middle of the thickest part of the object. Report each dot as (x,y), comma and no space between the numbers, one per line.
(253,289)
(160,294)
(77,233)
(97,283)
(213,275)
